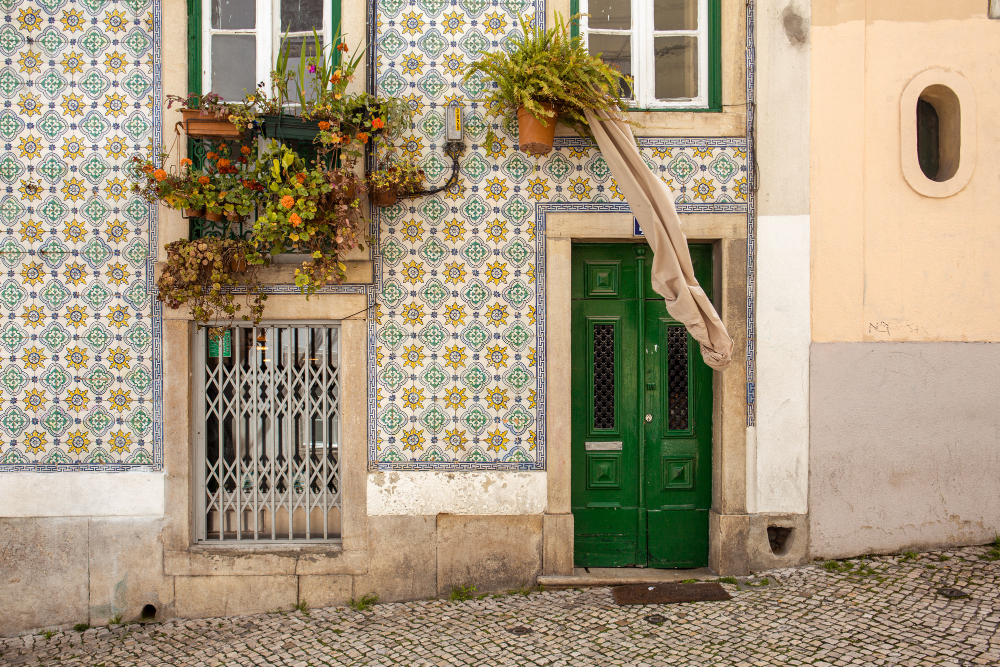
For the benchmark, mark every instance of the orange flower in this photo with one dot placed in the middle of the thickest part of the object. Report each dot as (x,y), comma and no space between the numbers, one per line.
(159,174)
(345,139)
(342,47)
(363,137)
(245,150)
(295,219)
(335,78)
(211,155)
(204,180)
(324,125)
(185,162)
(223,163)
(148,169)
(287,201)
(378,124)
(301,178)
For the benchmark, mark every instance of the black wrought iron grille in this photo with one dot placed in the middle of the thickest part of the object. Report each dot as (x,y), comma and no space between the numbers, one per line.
(677,382)
(271,442)
(604,376)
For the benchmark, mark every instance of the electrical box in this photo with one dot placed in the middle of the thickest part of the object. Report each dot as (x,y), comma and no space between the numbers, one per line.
(455,123)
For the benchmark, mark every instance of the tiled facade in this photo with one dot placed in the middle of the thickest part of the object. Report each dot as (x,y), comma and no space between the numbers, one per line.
(457,357)
(79,370)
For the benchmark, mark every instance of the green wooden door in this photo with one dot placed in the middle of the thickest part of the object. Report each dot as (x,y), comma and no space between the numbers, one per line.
(642,416)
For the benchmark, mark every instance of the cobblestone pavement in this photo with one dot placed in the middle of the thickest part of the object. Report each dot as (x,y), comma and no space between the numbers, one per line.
(873,611)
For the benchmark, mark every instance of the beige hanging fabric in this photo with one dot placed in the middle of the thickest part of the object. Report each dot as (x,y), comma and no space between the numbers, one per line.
(652,205)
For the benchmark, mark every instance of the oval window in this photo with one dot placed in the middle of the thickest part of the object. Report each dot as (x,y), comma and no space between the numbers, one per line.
(939,132)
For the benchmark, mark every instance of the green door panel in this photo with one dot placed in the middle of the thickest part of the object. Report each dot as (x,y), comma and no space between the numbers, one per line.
(606,537)
(641,416)
(678,538)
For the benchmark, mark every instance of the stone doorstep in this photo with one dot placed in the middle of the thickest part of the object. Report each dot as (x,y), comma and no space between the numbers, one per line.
(618,576)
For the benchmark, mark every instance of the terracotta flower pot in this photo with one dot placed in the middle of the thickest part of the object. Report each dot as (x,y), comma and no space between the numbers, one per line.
(383,198)
(213,217)
(194,212)
(533,137)
(207,127)
(235,217)
(339,180)
(238,264)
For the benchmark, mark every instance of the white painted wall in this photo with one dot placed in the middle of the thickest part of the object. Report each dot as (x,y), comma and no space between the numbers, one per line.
(406,492)
(81,494)
(783,340)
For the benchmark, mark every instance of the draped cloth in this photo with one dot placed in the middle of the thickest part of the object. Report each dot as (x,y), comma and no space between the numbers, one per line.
(652,205)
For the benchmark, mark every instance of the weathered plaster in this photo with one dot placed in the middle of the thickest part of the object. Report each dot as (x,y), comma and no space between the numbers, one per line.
(82,494)
(782,390)
(904,446)
(401,492)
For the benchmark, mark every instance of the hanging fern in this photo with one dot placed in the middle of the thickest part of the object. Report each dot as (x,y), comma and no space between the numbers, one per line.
(550,67)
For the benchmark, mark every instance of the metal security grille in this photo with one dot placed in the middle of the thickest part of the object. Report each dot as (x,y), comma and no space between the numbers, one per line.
(677,370)
(269,446)
(604,376)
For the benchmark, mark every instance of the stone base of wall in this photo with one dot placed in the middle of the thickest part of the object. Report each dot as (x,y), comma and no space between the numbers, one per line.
(57,572)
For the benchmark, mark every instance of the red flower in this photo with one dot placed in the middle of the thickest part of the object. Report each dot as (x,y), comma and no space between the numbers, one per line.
(378,124)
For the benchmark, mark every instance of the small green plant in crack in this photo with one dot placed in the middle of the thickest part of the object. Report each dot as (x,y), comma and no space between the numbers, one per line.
(47,633)
(462,593)
(994,551)
(837,566)
(909,555)
(81,627)
(526,590)
(115,620)
(364,603)
(689,581)
(727,580)
(302,606)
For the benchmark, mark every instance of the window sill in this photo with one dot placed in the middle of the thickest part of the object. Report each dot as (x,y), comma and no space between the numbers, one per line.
(265,559)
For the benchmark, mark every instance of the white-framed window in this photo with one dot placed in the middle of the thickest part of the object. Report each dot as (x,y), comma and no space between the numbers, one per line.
(662,44)
(242,38)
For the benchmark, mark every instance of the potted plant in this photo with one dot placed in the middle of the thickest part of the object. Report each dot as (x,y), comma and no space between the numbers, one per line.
(205,116)
(547,77)
(395,178)
(208,275)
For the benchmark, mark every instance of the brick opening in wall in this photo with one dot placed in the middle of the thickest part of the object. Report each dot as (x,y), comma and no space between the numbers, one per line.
(780,539)
(148,613)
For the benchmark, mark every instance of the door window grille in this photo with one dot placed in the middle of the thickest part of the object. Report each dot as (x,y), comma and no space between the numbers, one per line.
(604,376)
(269,446)
(677,371)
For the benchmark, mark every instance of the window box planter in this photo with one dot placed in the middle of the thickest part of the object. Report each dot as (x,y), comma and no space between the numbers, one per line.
(289,128)
(198,126)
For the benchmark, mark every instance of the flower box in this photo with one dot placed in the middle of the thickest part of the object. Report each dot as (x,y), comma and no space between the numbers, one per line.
(198,126)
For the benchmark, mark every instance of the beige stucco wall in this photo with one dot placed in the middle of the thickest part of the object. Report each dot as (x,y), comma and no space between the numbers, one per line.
(889,264)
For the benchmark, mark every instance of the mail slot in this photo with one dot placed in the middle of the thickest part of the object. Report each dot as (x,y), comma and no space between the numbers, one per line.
(603,446)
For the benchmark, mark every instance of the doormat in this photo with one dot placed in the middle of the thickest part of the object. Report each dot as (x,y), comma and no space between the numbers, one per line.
(668,593)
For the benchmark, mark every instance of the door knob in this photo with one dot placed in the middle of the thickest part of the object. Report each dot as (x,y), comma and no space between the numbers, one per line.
(649,418)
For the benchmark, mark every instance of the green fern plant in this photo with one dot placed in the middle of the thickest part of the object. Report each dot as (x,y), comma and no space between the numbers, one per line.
(548,66)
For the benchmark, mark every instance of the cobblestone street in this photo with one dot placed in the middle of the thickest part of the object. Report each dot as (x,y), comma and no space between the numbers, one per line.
(878,611)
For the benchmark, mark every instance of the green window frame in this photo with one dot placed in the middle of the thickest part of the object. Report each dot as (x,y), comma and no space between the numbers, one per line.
(711,61)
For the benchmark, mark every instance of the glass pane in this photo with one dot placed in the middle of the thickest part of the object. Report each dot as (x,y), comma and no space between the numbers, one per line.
(676,67)
(301,16)
(675,14)
(615,50)
(610,15)
(604,376)
(299,47)
(233,65)
(234,14)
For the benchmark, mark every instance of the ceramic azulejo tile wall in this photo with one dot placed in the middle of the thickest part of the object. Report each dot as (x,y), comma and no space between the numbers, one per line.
(78,338)
(458,349)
